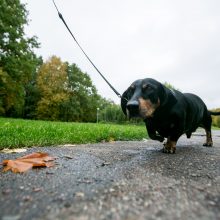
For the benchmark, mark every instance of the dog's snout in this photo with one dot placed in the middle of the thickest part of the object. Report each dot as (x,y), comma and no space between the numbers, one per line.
(133,108)
(132,105)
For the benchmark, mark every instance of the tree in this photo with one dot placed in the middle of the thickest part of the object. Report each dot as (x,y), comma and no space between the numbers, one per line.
(84,98)
(17,59)
(52,83)
(7,90)
(66,93)
(111,112)
(169,86)
(32,94)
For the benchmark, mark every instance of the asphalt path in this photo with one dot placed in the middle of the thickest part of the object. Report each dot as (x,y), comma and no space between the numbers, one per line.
(117,181)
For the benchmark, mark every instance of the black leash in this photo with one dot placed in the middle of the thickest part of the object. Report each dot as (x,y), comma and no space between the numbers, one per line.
(61,17)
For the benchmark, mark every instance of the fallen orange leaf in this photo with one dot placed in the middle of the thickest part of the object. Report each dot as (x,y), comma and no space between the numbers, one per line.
(22,164)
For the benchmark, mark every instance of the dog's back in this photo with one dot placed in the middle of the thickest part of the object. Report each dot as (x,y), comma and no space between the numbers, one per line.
(196,112)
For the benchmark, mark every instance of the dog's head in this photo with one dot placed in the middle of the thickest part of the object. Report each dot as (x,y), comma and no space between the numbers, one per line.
(143,98)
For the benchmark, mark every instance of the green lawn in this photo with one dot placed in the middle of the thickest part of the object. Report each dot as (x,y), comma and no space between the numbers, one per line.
(215,128)
(15,133)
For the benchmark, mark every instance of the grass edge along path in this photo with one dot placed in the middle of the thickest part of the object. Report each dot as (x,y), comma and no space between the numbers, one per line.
(18,133)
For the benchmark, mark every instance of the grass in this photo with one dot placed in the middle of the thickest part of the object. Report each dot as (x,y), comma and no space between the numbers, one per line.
(215,128)
(17,133)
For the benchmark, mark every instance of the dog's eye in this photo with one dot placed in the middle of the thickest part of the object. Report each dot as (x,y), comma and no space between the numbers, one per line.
(146,87)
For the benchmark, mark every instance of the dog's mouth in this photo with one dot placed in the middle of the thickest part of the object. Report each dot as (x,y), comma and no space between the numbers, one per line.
(133,112)
(141,109)
(139,113)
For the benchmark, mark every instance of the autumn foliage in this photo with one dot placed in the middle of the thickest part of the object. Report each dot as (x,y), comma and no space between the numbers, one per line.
(65,93)
(52,86)
(27,162)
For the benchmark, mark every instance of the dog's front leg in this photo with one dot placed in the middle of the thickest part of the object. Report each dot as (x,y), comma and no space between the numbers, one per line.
(152,133)
(170,146)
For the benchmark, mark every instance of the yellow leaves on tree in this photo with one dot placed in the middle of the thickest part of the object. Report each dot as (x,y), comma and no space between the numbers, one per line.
(25,163)
(52,83)
(52,76)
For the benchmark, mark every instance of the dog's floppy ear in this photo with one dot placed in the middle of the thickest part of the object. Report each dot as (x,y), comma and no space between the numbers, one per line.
(163,94)
(124,101)
(167,96)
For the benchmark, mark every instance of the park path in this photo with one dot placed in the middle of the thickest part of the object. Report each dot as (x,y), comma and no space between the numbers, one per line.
(117,181)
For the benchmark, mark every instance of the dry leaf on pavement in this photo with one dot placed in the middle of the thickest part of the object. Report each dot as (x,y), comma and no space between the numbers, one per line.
(22,164)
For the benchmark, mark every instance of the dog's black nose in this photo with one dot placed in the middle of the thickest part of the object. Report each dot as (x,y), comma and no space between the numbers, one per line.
(133,108)
(133,104)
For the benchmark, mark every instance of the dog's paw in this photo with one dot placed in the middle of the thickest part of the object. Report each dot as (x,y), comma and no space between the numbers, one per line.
(208,144)
(169,150)
(169,147)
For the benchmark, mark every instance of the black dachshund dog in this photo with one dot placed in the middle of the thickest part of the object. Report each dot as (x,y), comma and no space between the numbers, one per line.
(167,113)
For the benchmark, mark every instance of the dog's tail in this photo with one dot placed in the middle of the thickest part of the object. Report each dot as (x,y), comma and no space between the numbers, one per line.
(214,113)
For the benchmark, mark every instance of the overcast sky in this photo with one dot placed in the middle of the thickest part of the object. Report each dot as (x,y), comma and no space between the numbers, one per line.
(174,41)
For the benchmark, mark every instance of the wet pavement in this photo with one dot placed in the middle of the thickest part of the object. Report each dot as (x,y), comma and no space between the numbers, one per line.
(117,180)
